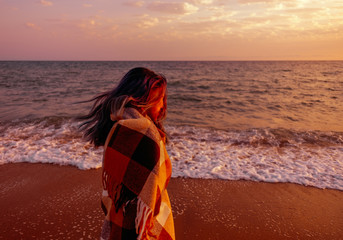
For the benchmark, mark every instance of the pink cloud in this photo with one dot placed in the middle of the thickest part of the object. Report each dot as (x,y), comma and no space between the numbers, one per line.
(134,4)
(264,1)
(45,3)
(172,7)
(32,26)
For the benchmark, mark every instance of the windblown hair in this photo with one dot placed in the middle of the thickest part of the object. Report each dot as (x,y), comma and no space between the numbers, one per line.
(133,91)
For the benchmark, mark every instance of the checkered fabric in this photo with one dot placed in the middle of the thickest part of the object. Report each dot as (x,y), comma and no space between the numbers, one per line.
(136,172)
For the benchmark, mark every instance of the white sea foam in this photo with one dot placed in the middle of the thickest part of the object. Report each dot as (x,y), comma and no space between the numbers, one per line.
(250,155)
(307,158)
(47,143)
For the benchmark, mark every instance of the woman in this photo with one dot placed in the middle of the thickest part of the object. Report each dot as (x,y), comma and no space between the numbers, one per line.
(127,121)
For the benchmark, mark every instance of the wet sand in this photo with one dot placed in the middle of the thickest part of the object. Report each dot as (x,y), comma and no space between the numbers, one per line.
(44,201)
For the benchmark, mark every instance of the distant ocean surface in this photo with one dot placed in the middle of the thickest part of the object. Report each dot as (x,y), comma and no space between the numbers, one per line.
(262,121)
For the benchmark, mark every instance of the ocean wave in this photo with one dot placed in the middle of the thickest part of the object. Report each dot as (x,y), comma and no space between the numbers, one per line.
(312,158)
(47,140)
(270,155)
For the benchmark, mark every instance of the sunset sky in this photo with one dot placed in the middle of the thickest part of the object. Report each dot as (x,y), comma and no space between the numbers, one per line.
(171,30)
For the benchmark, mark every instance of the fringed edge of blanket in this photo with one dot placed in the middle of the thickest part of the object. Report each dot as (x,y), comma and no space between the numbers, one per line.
(144,212)
(120,194)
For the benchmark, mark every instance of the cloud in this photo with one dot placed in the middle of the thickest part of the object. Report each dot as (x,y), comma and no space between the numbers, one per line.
(303,10)
(256,1)
(92,27)
(173,7)
(277,3)
(145,21)
(201,2)
(32,26)
(45,3)
(86,5)
(134,4)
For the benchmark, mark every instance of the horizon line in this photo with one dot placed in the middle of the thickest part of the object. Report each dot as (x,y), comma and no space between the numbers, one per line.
(228,60)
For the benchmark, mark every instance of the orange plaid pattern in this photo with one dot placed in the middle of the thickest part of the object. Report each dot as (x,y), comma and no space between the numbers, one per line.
(136,172)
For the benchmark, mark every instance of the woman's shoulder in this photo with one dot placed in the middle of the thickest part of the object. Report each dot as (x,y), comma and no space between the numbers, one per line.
(133,120)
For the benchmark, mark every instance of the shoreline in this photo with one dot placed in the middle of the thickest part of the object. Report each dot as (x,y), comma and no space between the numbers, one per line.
(46,201)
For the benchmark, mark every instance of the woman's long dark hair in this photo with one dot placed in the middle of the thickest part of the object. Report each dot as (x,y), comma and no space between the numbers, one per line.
(133,90)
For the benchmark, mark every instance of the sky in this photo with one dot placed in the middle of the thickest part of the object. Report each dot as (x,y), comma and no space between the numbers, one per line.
(171,30)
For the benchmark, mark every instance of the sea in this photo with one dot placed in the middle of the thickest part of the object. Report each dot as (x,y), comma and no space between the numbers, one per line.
(269,121)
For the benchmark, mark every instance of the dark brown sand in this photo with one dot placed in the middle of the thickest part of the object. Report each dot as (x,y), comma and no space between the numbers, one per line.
(44,201)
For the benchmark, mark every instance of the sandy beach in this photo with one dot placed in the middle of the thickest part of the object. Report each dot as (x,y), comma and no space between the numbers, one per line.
(45,201)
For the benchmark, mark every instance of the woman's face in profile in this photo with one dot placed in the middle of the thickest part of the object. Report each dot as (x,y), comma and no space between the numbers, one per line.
(155,110)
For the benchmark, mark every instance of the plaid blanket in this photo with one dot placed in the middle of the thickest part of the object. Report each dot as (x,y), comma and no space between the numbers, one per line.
(136,172)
